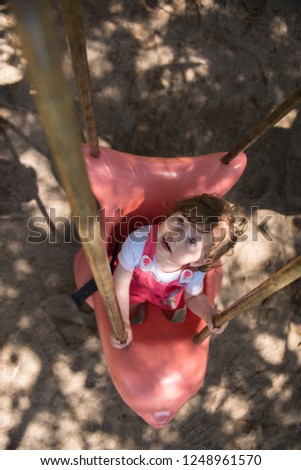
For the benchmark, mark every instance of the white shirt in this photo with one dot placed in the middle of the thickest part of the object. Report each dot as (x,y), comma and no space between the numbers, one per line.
(131,253)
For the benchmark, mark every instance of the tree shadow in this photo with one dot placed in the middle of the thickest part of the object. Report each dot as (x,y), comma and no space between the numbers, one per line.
(168,79)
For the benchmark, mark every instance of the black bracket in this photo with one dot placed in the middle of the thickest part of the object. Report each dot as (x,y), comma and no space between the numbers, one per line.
(84,292)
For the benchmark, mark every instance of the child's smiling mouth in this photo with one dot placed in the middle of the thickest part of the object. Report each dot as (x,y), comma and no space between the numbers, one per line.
(165,245)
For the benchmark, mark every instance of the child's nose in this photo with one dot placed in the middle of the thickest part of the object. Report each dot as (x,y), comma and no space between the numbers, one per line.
(172,237)
(176,236)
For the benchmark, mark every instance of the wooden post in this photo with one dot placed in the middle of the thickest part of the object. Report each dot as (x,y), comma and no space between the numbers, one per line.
(281,110)
(54,102)
(285,276)
(74,22)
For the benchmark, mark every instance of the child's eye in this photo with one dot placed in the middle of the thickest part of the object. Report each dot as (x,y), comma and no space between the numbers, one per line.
(192,241)
(180,222)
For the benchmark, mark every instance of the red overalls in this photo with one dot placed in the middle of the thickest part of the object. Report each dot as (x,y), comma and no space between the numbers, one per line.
(145,287)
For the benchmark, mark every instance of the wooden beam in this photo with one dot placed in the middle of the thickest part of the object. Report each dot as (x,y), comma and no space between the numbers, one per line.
(285,276)
(74,22)
(282,110)
(55,105)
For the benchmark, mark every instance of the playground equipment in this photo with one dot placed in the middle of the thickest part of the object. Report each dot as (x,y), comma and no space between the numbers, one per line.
(163,367)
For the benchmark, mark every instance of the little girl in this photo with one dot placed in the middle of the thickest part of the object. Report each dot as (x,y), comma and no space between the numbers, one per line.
(165,264)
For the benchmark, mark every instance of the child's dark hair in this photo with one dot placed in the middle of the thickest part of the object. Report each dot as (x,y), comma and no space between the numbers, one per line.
(210,213)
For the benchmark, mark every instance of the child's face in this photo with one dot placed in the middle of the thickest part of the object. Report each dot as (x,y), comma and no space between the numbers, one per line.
(180,244)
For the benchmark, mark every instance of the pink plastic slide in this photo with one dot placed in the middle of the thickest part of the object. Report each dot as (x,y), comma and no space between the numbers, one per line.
(163,368)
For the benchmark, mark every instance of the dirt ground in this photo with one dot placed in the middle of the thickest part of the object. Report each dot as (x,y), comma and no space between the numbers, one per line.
(168,78)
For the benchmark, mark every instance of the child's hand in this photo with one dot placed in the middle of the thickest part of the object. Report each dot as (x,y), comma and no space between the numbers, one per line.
(216,331)
(129,337)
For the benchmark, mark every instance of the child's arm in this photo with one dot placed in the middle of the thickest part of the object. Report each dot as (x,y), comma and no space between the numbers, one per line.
(200,306)
(122,279)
